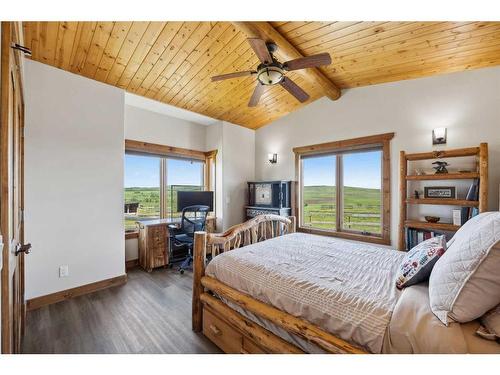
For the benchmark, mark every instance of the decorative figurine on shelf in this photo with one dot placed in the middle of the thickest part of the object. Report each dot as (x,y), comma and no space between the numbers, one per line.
(441,167)
(417,194)
(432,219)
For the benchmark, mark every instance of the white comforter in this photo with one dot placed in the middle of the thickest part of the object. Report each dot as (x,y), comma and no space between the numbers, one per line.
(347,288)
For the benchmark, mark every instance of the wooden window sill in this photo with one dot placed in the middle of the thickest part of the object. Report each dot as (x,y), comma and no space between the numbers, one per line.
(347,236)
(131,235)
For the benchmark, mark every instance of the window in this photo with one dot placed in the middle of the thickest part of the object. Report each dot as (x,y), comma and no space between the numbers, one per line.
(319,192)
(142,189)
(344,188)
(182,175)
(152,180)
(362,192)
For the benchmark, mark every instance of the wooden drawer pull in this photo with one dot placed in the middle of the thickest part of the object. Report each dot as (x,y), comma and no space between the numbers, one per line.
(216,331)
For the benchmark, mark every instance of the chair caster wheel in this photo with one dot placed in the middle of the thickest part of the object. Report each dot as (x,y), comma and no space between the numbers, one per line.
(182,272)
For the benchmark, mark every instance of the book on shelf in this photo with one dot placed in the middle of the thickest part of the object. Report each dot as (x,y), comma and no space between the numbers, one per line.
(416,236)
(472,195)
(457,217)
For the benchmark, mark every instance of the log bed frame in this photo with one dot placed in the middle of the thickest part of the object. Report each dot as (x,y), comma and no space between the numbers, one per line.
(227,328)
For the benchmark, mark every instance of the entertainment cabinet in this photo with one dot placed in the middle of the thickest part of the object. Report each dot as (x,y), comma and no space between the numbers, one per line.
(269,197)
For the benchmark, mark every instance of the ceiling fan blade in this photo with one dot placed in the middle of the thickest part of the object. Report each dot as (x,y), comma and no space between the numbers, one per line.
(294,89)
(309,61)
(257,93)
(232,75)
(260,49)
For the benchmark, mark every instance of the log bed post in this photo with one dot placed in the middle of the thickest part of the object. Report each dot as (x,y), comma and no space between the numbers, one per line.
(199,257)
(292,228)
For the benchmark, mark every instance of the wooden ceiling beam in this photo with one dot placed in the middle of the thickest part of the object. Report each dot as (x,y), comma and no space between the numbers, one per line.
(287,51)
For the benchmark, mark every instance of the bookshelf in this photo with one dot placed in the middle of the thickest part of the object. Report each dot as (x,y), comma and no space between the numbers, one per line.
(447,176)
(442,202)
(481,174)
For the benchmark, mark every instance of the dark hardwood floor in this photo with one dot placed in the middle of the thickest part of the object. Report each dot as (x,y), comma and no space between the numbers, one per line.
(151,313)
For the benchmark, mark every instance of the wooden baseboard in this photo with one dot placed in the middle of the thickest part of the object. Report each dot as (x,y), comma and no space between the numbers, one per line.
(63,295)
(129,264)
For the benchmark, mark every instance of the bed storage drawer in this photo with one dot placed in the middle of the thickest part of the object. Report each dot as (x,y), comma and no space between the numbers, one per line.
(221,334)
(249,347)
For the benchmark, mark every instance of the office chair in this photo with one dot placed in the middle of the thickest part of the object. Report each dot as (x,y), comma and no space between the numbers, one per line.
(183,236)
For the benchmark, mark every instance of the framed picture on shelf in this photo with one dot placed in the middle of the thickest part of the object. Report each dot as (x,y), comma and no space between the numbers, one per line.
(440,192)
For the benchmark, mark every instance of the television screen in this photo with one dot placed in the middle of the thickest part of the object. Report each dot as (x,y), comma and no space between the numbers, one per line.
(191,198)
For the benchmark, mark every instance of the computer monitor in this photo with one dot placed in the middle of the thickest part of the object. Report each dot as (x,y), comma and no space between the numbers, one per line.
(191,198)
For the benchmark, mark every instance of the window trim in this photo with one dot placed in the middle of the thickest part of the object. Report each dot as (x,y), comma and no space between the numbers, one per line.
(208,158)
(380,141)
(164,151)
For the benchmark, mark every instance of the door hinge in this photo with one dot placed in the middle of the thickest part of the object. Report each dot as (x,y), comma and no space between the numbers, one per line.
(21,48)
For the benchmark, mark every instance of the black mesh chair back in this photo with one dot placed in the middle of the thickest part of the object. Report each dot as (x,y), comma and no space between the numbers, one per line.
(194,219)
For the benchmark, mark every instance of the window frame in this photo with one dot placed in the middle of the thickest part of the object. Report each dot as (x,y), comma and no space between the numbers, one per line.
(339,148)
(208,159)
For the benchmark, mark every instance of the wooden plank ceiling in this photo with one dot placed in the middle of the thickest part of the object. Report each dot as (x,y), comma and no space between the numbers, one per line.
(172,62)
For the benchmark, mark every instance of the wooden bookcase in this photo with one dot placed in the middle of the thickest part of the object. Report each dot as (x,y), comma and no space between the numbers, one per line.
(481,173)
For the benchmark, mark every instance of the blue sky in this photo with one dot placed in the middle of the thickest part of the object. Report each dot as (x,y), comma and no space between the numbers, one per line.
(361,169)
(144,171)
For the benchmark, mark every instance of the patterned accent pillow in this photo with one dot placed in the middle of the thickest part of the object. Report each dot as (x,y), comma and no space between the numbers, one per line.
(418,263)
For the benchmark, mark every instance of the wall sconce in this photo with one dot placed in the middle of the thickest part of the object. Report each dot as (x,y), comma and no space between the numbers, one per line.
(273,158)
(439,136)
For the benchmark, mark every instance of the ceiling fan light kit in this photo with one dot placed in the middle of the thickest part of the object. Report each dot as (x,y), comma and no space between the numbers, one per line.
(271,72)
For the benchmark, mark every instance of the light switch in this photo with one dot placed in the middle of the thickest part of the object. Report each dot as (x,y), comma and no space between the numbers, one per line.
(63,271)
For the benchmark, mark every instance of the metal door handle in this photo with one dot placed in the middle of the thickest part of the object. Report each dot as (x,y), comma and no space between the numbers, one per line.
(23,249)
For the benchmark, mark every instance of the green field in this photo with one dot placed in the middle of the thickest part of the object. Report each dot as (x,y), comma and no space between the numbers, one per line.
(361,208)
(149,202)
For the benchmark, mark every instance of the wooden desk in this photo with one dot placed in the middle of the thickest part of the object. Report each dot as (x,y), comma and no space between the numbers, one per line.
(154,241)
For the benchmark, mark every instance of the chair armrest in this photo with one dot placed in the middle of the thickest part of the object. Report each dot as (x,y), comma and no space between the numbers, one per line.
(174,229)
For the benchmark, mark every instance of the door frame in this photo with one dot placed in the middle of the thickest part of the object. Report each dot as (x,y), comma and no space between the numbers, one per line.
(11,188)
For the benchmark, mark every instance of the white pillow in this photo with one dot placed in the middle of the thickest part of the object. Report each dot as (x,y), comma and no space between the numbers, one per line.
(465,282)
(468,226)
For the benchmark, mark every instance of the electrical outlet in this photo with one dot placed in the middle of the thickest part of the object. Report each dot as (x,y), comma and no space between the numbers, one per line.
(63,271)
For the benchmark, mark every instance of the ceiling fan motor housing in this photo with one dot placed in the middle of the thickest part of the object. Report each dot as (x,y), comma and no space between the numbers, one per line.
(272,47)
(270,74)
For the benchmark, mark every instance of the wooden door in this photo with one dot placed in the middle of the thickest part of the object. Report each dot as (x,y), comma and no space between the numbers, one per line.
(11,198)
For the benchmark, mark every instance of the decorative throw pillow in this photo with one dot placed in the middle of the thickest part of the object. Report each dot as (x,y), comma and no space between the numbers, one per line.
(418,263)
(465,282)
(490,325)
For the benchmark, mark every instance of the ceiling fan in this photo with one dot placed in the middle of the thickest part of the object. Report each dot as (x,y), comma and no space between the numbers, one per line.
(272,72)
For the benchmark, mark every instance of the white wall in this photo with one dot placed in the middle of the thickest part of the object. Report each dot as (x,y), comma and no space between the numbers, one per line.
(147,126)
(238,163)
(214,142)
(467,103)
(73,179)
